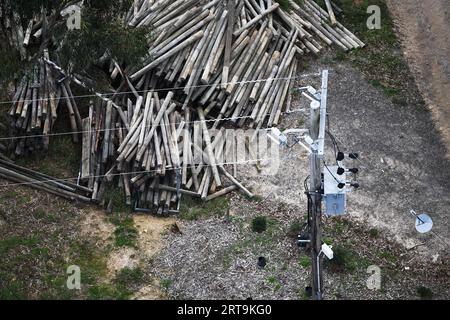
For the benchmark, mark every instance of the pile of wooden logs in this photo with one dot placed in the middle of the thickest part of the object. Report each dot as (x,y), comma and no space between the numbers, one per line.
(152,153)
(19,36)
(234,58)
(59,187)
(35,106)
(210,62)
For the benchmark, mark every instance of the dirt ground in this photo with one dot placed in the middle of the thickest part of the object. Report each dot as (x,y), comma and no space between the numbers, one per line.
(424,32)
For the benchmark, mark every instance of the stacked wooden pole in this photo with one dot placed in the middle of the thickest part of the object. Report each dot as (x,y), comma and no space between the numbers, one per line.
(234,58)
(157,156)
(39,181)
(35,106)
(210,61)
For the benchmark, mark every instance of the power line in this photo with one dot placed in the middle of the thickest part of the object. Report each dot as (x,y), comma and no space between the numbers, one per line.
(132,172)
(120,128)
(167,89)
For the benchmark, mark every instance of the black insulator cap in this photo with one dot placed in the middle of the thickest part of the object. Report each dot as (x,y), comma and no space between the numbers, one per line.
(355,185)
(341,185)
(354,170)
(340,171)
(340,156)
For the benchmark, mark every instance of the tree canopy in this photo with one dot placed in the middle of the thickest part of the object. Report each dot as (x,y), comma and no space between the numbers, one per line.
(102,31)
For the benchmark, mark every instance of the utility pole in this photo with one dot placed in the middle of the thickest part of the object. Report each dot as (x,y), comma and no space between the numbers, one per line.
(315,144)
(317,133)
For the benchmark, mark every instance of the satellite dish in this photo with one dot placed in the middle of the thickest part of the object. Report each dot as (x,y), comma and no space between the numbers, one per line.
(424,223)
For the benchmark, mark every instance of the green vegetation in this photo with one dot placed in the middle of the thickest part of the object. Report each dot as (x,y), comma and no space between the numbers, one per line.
(424,293)
(126,233)
(273,280)
(346,260)
(193,208)
(80,49)
(305,261)
(121,288)
(8,194)
(117,197)
(36,259)
(259,224)
(256,242)
(61,161)
(388,256)
(374,233)
(165,284)
(15,242)
(35,252)
(285,5)
(381,60)
(294,229)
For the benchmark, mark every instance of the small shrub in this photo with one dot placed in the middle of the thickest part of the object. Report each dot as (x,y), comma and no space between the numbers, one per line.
(259,224)
(294,229)
(165,284)
(305,262)
(424,293)
(344,259)
(373,233)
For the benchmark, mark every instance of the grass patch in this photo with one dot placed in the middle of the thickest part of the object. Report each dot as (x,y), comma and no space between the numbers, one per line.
(193,208)
(16,241)
(374,233)
(62,160)
(165,284)
(259,224)
(424,293)
(125,233)
(345,260)
(295,228)
(388,256)
(117,197)
(91,261)
(8,194)
(13,291)
(274,282)
(305,262)
(285,5)
(381,61)
(257,243)
(121,288)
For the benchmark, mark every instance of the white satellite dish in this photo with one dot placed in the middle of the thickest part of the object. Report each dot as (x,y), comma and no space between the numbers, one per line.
(424,223)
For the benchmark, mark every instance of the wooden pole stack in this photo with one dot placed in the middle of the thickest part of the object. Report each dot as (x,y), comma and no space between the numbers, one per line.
(39,181)
(161,134)
(234,58)
(158,155)
(35,105)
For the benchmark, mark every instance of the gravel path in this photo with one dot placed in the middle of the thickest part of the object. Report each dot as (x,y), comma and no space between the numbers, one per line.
(424,26)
